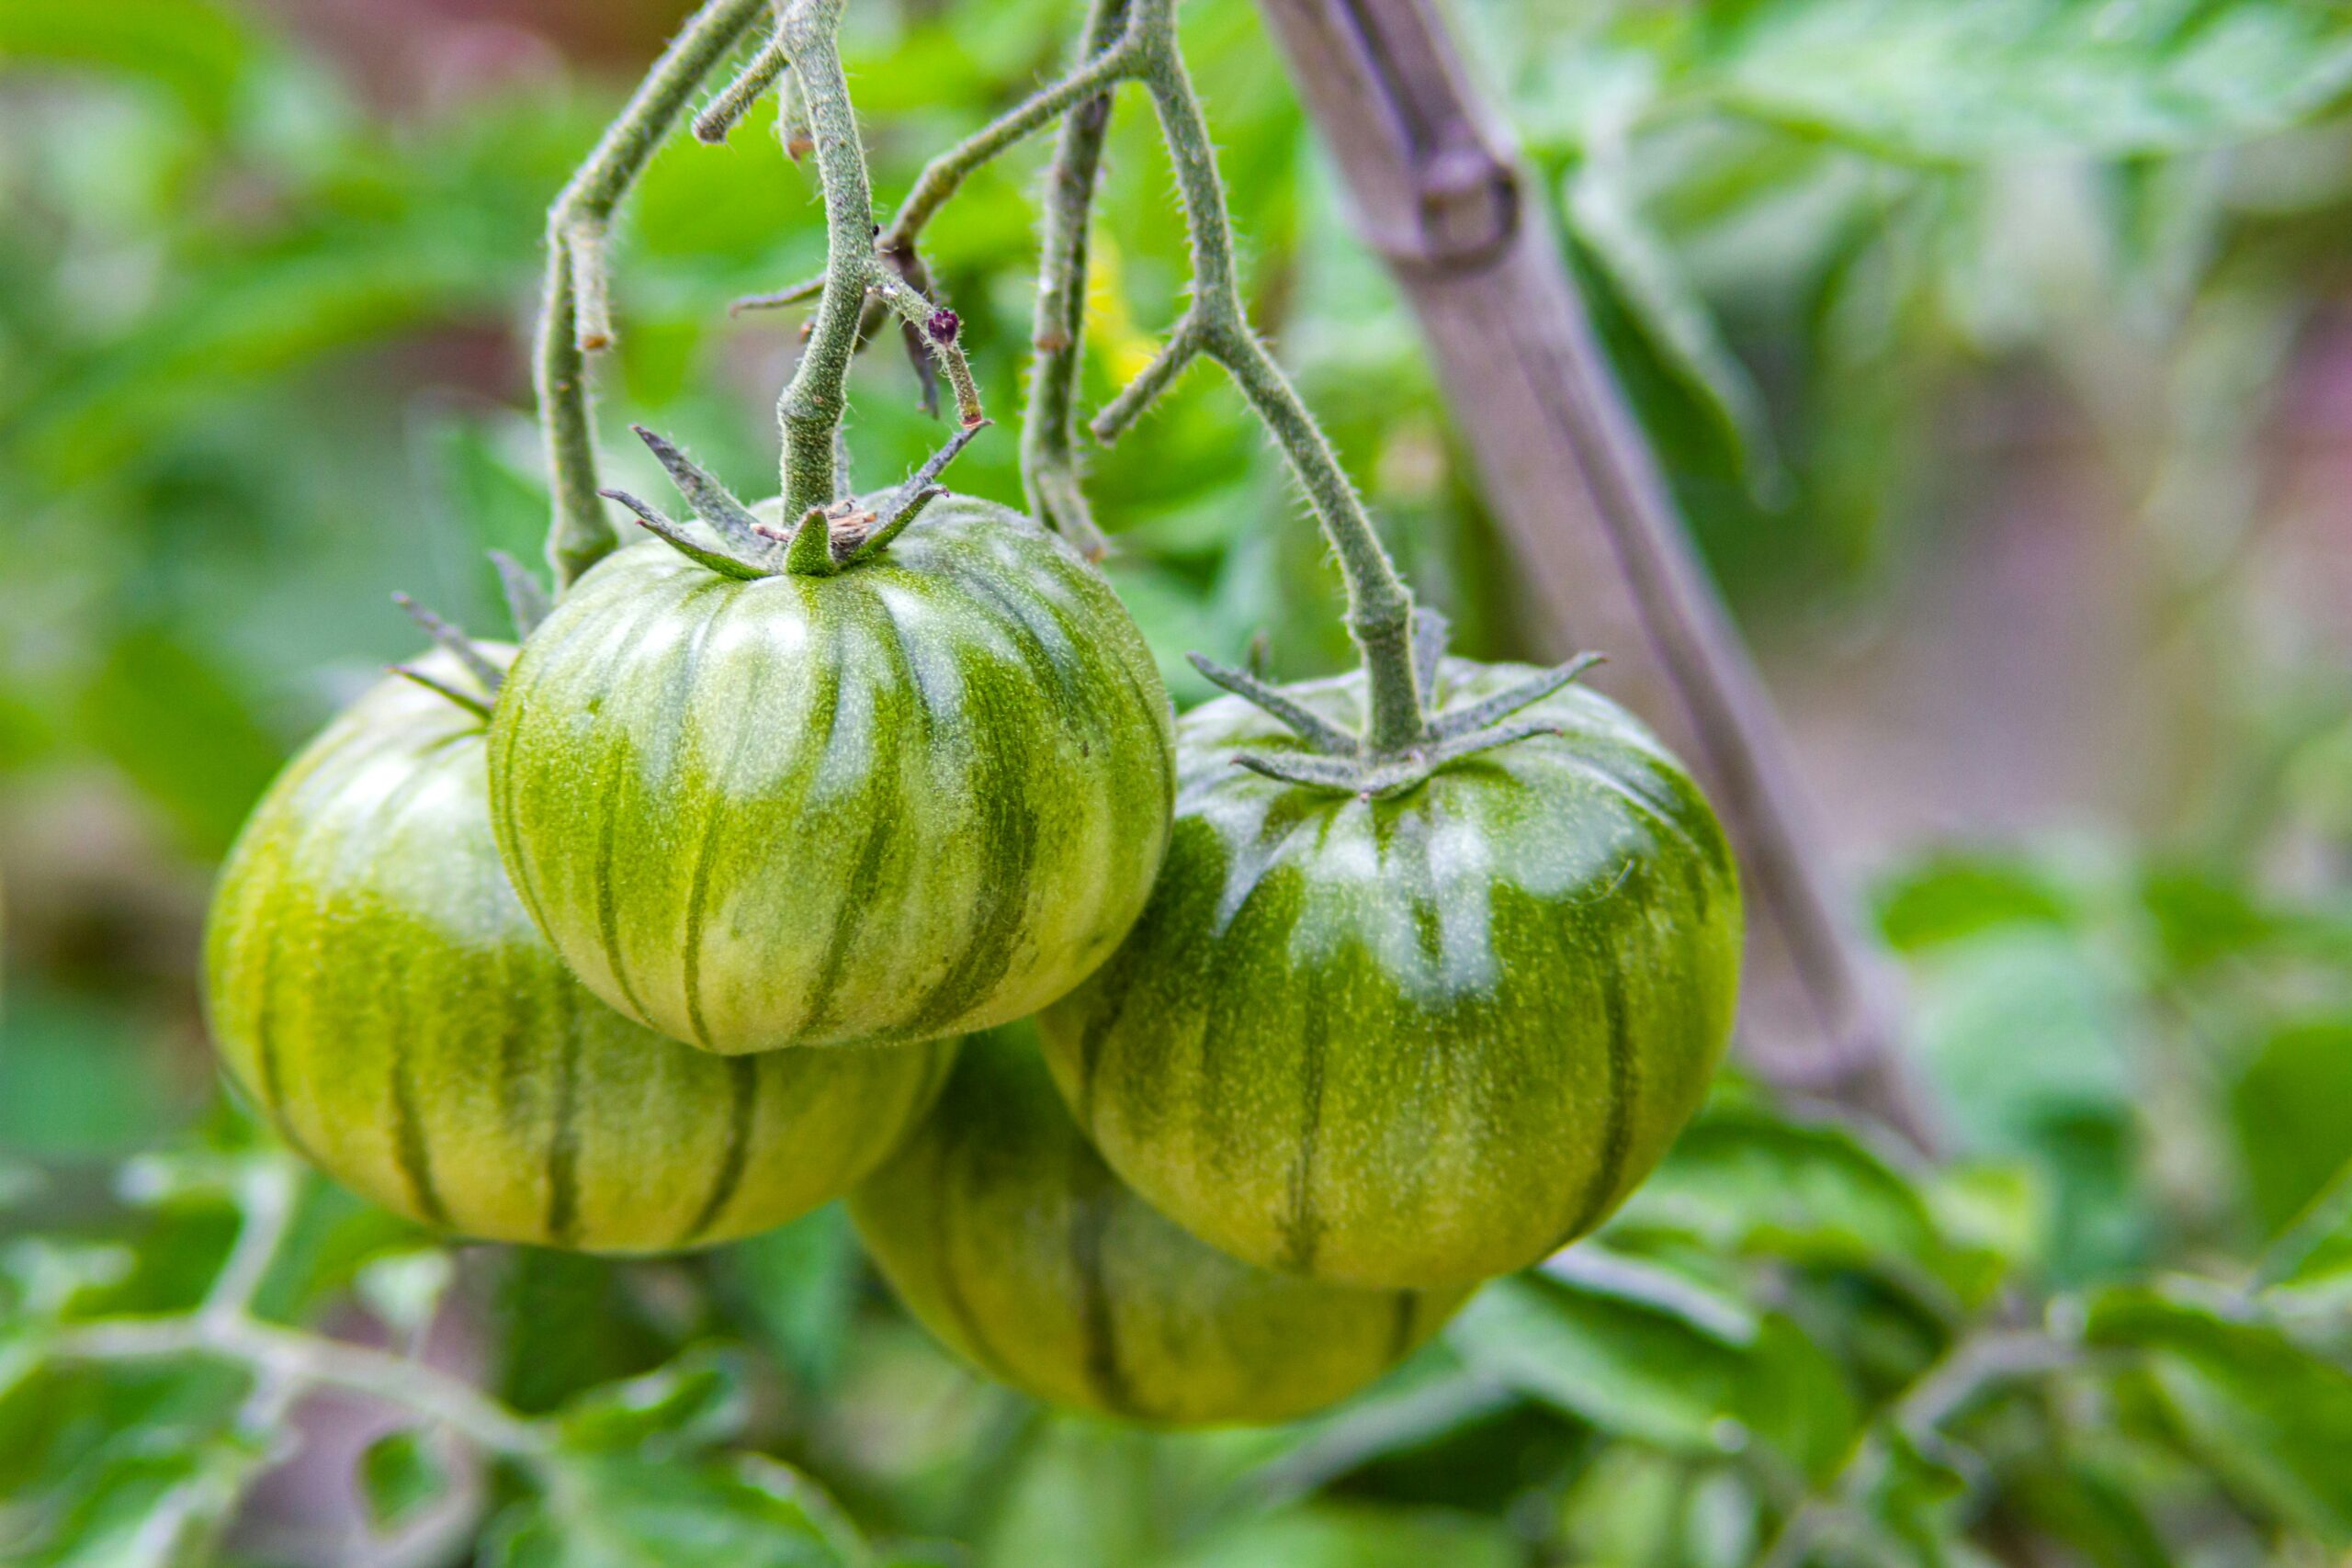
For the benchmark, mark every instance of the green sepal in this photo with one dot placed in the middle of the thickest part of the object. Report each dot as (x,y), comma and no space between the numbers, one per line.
(670,533)
(455,641)
(919,492)
(1378,778)
(1430,633)
(527,603)
(710,500)
(909,510)
(1479,716)
(457,694)
(1312,728)
(810,553)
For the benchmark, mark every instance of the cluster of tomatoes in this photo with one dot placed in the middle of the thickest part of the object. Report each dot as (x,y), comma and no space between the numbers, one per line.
(737,888)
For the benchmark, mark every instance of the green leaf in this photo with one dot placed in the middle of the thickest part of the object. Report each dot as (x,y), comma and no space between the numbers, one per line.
(2288,1104)
(1999,79)
(2310,1268)
(405,1289)
(1333,1535)
(695,1401)
(399,1475)
(2085,1508)
(199,52)
(2027,1034)
(1912,1502)
(183,729)
(46,1278)
(798,1284)
(1655,1371)
(1605,214)
(1741,1179)
(1949,897)
(621,1511)
(124,1467)
(2269,1417)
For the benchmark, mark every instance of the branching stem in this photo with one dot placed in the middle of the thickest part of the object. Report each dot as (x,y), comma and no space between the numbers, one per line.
(575,317)
(1380,608)
(285,1357)
(1978,1364)
(810,410)
(280,1361)
(1049,428)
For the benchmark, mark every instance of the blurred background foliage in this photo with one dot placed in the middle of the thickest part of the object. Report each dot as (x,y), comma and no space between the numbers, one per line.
(1999,356)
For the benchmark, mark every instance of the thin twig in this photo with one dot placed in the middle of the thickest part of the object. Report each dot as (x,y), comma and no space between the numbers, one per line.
(1111,57)
(1049,426)
(1974,1367)
(265,1196)
(574,317)
(1217,324)
(810,410)
(307,1359)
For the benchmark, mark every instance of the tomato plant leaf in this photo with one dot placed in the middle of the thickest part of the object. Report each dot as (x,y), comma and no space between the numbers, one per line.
(1641,1370)
(698,1400)
(399,1475)
(622,1511)
(2272,1417)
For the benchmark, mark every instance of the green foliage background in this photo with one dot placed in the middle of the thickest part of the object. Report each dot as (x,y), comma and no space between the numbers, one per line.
(262,291)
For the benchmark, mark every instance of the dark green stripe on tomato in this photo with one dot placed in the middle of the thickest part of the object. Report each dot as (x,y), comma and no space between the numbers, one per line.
(373,981)
(1009,1238)
(946,775)
(1417,1039)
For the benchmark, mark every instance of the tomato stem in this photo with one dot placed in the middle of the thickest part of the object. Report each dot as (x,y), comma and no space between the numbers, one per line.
(575,315)
(1049,424)
(1136,41)
(810,410)
(1217,325)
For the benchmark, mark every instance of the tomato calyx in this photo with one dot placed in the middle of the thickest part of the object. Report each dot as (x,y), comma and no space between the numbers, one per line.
(527,603)
(486,673)
(1341,761)
(820,543)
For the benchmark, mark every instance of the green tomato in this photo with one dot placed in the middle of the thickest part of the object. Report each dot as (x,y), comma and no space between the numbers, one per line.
(1009,1238)
(1420,1039)
(923,796)
(378,991)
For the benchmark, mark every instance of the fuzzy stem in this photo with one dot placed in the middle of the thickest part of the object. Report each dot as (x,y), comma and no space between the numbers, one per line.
(810,410)
(573,318)
(720,115)
(812,405)
(266,1207)
(1049,431)
(1380,608)
(1986,1361)
(1111,55)
(286,1356)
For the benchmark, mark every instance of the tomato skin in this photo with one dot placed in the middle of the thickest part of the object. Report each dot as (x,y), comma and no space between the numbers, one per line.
(1009,1238)
(923,796)
(1414,1040)
(378,993)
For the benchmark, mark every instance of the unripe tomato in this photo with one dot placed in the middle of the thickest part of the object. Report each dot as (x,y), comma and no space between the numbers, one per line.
(1009,1238)
(1419,1039)
(378,991)
(925,795)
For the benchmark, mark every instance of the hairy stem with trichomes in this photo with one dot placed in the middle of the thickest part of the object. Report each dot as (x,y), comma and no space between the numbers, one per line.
(1049,426)
(283,1362)
(1136,41)
(575,315)
(810,411)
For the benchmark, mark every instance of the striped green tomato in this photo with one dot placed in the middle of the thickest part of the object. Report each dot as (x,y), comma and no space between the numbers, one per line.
(1005,1233)
(378,991)
(925,795)
(1419,1039)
